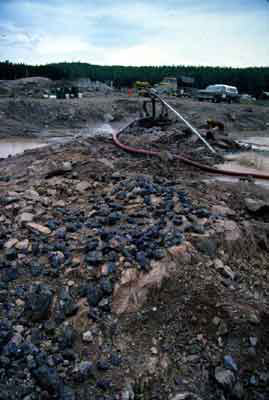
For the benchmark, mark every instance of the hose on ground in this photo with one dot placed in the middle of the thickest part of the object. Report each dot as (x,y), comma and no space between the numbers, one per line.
(202,167)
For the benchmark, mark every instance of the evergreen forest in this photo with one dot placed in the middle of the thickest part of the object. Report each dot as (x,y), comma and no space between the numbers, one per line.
(252,80)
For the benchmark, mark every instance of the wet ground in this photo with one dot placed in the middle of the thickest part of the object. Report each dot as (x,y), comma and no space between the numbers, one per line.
(251,161)
(233,180)
(259,141)
(10,147)
(17,145)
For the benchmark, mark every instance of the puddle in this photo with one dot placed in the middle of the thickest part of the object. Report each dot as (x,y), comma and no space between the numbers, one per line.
(249,161)
(255,160)
(229,179)
(259,143)
(257,140)
(245,162)
(18,145)
(106,129)
(103,130)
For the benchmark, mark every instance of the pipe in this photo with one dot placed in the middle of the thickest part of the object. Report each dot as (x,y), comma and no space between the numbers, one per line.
(185,160)
(154,93)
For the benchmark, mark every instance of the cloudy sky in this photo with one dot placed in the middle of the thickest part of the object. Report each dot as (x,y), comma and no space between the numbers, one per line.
(130,32)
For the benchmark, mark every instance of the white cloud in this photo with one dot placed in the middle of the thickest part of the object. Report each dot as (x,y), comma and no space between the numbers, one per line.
(134,33)
(139,55)
(61,45)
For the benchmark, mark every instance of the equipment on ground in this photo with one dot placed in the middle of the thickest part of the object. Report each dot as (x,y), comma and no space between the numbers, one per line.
(168,86)
(181,86)
(154,116)
(179,116)
(70,92)
(64,92)
(185,86)
(171,157)
(142,87)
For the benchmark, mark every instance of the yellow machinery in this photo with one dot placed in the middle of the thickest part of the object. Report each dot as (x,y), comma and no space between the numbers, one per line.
(142,87)
(167,86)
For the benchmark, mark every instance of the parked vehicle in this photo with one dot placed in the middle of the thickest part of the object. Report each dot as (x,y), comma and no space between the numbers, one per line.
(247,98)
(264,96)
(219,93)
(185,86)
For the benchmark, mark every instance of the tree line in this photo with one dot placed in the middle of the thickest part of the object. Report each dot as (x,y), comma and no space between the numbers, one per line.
(252,80)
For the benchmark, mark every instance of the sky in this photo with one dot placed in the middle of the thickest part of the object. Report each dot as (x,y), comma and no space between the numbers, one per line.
(129,32)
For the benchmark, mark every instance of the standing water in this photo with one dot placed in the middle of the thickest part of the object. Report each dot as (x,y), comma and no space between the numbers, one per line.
(12,146)
(16,145)
(251,162)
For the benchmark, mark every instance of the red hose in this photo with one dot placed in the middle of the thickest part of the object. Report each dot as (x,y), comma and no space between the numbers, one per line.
(188,161)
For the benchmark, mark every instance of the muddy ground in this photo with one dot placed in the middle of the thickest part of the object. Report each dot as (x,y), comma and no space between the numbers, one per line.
(29,117)
(130,277)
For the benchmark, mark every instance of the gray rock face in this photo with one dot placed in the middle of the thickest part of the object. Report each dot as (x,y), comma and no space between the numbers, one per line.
(127,393)
(25,217)
(186,396)
(230,363)
(83,186)
(31,195)
(38,303)
(83,371)
(225,378)
(67,304)
(207,247)
(47,378)
(67,166)
(255,206)
(238,391)
(38,228)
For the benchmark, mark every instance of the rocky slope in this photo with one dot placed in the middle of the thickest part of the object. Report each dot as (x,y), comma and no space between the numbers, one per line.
(125,277)
(27,116)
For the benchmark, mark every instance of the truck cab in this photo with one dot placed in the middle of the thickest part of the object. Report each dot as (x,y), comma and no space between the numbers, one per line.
(219,93)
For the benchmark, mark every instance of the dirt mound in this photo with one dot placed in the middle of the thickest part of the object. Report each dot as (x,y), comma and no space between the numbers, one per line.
(32,87)
(122,278)
(38,117)
(236,117)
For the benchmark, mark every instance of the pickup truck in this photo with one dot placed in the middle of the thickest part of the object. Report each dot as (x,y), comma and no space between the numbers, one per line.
(219,93)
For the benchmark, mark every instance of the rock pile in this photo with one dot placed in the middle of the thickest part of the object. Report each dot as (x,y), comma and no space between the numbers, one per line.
(75,252)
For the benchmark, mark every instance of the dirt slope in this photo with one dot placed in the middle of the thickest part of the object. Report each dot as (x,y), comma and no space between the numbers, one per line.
(37,117)
(124,277)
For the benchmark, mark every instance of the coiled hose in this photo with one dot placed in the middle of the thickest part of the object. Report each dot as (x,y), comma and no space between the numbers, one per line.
(202,167)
